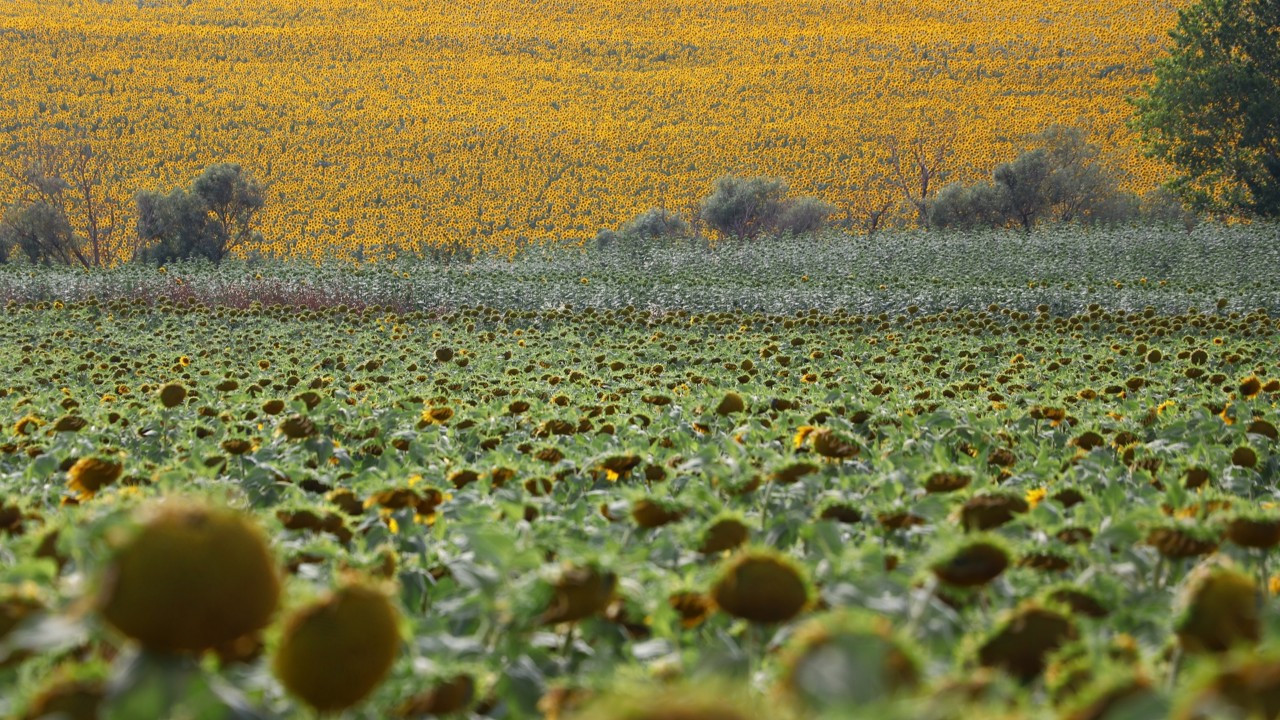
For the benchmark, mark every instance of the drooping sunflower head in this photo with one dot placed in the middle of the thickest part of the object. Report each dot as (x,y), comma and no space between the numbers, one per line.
(761,586)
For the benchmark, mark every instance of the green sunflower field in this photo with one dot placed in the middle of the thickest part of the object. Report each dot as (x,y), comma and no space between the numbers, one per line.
(936,476)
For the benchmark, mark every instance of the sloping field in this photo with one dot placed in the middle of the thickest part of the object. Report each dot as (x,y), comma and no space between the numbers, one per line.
(410,124)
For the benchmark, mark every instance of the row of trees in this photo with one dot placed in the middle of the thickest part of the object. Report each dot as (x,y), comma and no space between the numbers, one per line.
(69,211)
(1059,178)
(1212,113)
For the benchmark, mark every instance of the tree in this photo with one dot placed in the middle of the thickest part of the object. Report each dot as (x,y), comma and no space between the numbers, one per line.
(233,198)
(215,216)
(1213,110)
(744,207)
(1077,187)
(67,174)
(1023,184)
(870,205)
(177,226)
(40,231)
(918,166)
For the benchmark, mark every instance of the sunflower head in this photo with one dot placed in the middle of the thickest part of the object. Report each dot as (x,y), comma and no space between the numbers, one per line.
(845,659)
(761,586)
(1218,609)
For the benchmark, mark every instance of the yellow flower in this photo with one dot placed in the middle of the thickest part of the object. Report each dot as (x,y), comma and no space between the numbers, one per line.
(802,435)
(1035,495)
(1226,419)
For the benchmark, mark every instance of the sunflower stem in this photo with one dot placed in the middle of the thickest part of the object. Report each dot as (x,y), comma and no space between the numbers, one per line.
(1175,666)
(764,506)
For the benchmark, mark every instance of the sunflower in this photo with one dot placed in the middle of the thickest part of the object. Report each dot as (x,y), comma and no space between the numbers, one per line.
(725,533)
(846,660)
(692,607)
(445,697)
(972,564)
(730,404)
(90,474)
(761,586)
(172,395)
(1024,639)
(1250,387)
(578,593)
(190,578)
(1247,686)
(1219,609)
(335,651)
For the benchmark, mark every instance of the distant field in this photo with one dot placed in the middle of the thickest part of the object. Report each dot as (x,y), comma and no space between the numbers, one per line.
(407,124)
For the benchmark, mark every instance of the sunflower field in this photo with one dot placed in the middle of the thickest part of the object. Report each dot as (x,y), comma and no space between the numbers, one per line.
(395,125)
(1042,490)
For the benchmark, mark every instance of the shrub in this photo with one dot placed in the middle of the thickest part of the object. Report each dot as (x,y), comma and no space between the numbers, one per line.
(1116,207)
(209,220)
(744,207)
(1162,206)
(40,231)
(607,238)
(656,223)
(969,206)
(804,215)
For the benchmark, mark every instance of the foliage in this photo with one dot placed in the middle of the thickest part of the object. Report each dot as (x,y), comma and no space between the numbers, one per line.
(804,215)
(1022,182)
(656,224)
(744,208)
(215,216)
(39,231)
(1059,177)
(1065,267)
(1213,110)
(980,205)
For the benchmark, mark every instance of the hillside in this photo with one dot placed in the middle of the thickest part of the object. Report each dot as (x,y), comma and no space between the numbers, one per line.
(407,124)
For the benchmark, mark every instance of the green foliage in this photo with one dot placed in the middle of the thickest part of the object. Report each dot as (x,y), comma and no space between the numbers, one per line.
(217,214)
(482,436)
(967,207)
(804,215)
(656,224)
(1023,184)
(744,208)
(1058,178)
(40,232)
(1213,110)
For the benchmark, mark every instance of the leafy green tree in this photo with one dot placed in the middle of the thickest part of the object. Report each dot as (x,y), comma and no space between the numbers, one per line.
(41,232)
(177,226)
(1213,110)
(744,207)
(215,216)
(1023,184)
(233,198)
(1078,187)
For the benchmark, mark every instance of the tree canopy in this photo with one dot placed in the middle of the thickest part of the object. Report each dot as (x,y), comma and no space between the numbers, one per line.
(1213,110)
